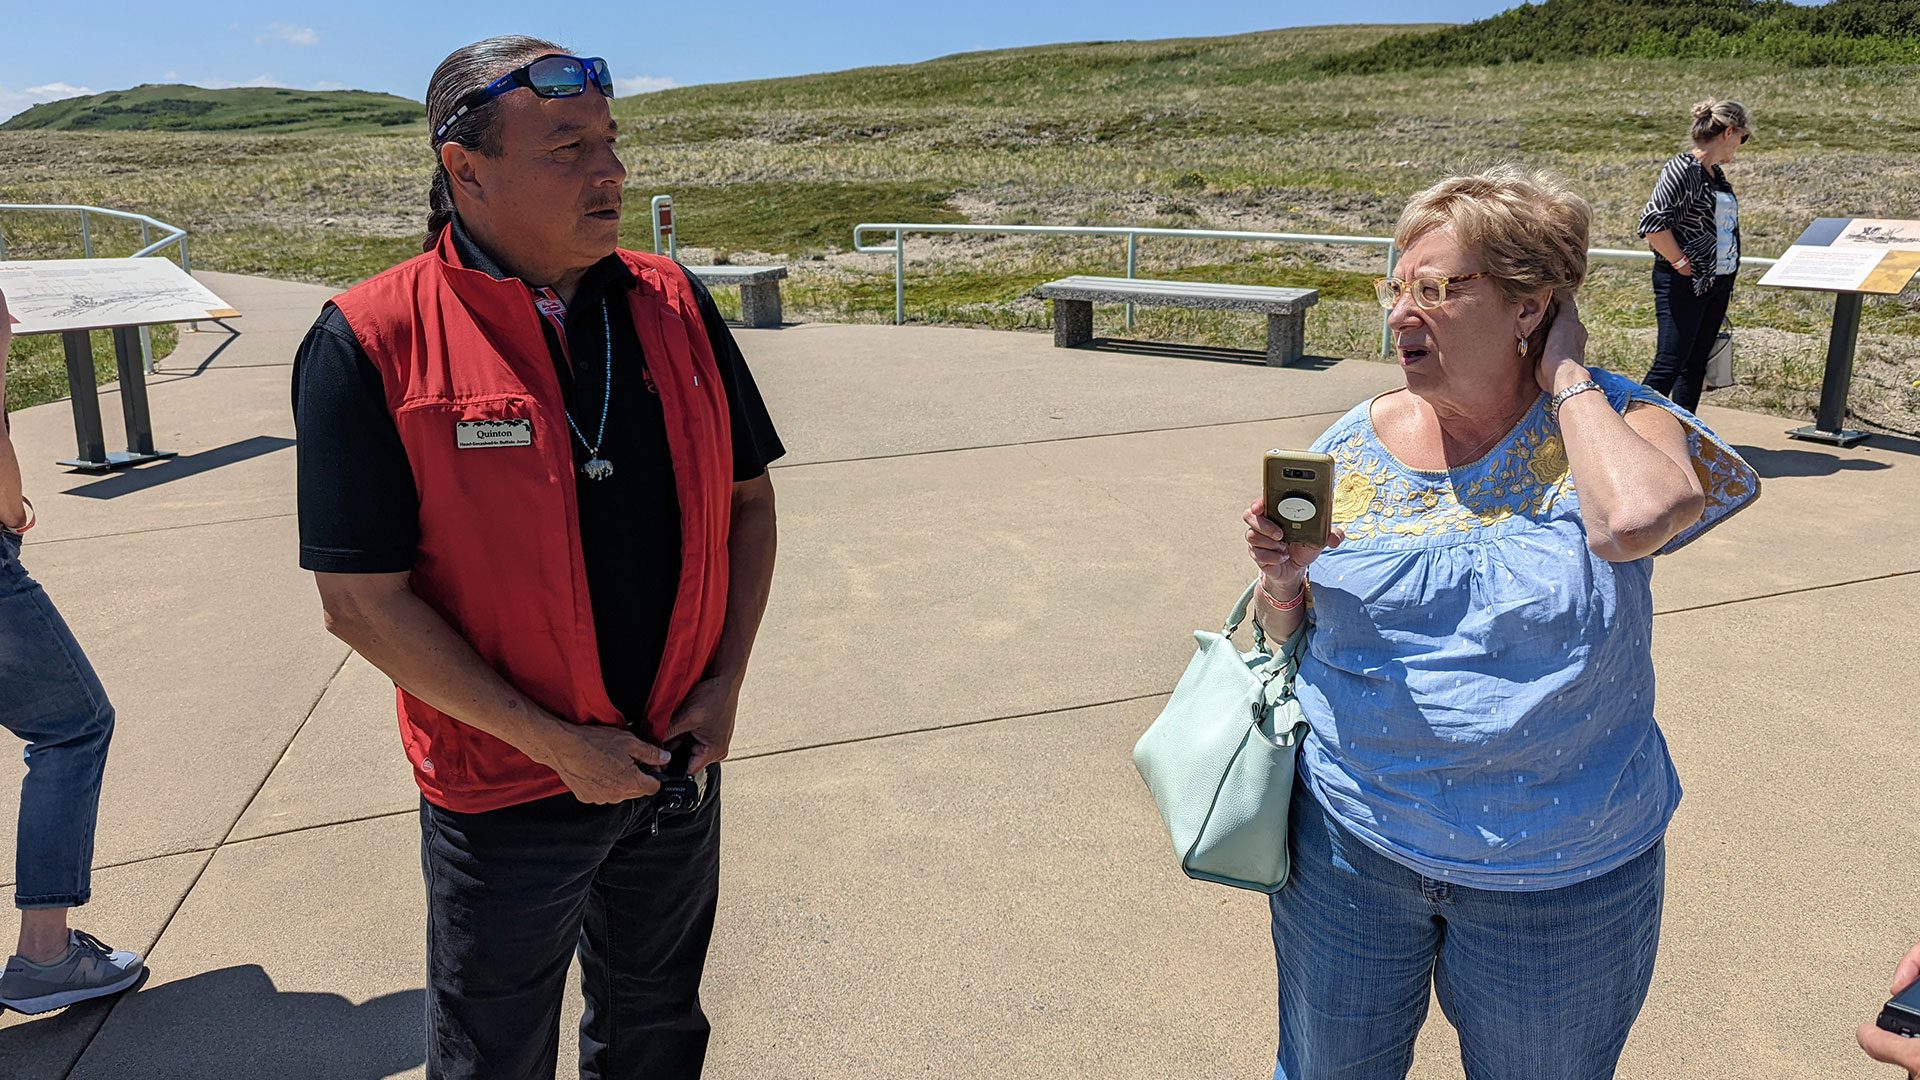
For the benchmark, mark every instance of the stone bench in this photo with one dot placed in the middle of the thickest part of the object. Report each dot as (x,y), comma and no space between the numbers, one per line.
(759,289)
(1286,309)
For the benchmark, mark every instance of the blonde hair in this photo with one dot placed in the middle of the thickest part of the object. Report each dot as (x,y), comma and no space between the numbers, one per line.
(1528,229)
(1713,117)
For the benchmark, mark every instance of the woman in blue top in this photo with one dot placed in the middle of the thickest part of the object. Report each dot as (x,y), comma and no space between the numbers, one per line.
(1485,790)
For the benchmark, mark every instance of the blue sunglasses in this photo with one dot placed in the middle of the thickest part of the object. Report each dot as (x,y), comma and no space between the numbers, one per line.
(555,75)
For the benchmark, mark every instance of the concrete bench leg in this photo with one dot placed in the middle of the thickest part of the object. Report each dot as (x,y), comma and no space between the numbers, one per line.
(1286,339)
(760,304)
(1072,323)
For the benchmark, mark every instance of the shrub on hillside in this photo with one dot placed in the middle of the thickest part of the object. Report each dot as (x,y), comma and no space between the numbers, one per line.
(1841,32)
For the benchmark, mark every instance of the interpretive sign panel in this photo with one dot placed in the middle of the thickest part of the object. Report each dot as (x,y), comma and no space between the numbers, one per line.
(72,297)
(1850,255)
(1850,258)
(54,295)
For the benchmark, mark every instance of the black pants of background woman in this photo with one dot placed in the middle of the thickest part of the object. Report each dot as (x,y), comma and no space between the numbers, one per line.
(1688,326)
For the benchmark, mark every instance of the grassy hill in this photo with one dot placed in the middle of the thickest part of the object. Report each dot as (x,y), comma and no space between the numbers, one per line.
(168,107)
(1244,132)
(1836,32)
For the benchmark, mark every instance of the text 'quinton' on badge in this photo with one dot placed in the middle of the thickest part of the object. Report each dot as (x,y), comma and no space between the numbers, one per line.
(477,434)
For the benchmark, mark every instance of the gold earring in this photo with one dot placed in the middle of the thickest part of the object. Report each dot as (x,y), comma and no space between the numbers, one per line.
(1523,346)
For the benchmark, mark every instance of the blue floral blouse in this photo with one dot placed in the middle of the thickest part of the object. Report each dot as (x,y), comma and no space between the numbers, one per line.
(1480,684)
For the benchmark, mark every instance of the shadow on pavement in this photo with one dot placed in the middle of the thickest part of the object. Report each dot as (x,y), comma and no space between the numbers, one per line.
(226,1023)
(1213,353)
(164,472)
(1776,463)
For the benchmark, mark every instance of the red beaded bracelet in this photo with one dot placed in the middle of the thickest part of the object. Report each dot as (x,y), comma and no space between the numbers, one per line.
(1298,598)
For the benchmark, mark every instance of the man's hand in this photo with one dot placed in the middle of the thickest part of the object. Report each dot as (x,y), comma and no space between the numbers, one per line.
(601,764)
(707,716)
(1885,1045)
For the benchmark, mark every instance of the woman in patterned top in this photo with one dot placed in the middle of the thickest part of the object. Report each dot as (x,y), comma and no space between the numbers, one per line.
(1484,792)
(1692,223)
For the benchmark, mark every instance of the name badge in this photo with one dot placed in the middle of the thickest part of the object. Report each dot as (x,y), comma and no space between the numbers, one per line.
(476,434)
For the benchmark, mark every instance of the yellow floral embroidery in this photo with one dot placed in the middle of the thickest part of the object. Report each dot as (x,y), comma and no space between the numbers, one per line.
(1490,517)
(1549,462)
(1376,498)
(1351,497)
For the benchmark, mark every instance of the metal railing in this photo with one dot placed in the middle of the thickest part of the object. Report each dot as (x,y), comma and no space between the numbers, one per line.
(899,231)
(175,238)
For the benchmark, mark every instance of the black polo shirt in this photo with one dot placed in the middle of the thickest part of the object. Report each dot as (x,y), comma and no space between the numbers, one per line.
(359,513)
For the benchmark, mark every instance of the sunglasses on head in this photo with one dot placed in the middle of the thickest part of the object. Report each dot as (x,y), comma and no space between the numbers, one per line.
(555,75)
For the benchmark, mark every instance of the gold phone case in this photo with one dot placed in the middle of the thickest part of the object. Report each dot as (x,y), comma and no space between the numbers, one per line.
(1299,495)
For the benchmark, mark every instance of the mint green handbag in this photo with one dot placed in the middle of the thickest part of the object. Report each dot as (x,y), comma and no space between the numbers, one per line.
(1220,758)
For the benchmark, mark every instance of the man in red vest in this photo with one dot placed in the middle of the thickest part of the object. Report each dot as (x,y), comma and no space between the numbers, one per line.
(533,491)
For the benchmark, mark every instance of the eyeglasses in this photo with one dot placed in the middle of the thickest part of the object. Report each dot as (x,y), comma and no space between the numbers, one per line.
(555,75)
(1428,292)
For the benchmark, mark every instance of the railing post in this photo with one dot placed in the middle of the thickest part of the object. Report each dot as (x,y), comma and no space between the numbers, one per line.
(86,235)
(1386,328)
(3,243)
(146,348)
(1133,257)
(663,229)
(145,234)
(186,266)
(899,278)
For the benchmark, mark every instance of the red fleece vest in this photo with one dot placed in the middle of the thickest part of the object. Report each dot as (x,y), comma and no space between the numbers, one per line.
(500,555)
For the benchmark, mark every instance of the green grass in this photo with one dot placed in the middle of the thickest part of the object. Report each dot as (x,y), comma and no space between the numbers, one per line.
(795,218)
(37,366)
(167,107)
(1839,32)
(1242,132)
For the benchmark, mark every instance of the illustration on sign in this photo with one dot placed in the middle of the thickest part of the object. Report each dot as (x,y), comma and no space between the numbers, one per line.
(55,295)
(1888,235)
(1864,255)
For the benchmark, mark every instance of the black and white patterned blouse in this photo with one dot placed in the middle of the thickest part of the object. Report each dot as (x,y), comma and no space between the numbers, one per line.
(1683,204)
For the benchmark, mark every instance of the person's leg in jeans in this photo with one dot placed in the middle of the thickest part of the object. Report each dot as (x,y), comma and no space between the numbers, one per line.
(1355,937)
(1693,373)
(54,701)
(506,890)
(1546,985)
(1677,314)
(644,945)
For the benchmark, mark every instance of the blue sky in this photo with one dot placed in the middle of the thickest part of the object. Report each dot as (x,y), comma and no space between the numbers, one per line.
(52,49)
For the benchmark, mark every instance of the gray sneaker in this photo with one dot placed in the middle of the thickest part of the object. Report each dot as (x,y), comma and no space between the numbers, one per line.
(86,970)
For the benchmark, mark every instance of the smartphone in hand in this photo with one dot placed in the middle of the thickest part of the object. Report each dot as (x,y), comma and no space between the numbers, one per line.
(1298,488)
(1902,1015)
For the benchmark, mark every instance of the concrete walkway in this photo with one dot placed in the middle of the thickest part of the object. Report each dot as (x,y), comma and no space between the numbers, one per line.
(938,858)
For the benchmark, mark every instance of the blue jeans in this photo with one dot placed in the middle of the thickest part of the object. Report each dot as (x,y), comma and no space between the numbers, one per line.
(1688,325)
(1541,985)
(53,700)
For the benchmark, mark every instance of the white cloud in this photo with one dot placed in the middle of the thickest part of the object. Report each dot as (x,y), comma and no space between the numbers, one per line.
(642,84)
(289,33)
(17,101)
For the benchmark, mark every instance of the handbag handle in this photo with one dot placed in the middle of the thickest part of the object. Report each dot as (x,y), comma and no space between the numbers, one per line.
(1289,651)
(1239,615)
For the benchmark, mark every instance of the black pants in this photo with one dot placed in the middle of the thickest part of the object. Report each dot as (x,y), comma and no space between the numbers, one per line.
(1688,326)
(512,893)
